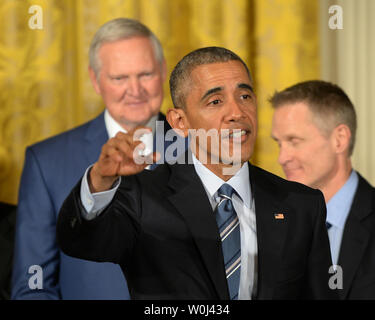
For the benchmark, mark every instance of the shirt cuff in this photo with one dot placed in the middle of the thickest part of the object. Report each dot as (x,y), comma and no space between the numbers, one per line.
(95,203)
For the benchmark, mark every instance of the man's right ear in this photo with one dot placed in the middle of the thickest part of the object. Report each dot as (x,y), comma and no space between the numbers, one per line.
(177,120)
(94,81)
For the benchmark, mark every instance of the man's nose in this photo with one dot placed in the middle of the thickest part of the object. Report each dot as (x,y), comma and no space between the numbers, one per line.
(134,87)
(284,155)
(235,111)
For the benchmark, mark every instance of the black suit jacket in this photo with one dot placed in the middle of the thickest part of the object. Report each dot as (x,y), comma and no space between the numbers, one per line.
(161,229)
(7,228)
(357,251)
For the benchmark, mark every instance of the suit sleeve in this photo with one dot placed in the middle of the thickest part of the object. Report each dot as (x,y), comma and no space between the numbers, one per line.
(95,203)
(111,236)
(320,260)
(35,237)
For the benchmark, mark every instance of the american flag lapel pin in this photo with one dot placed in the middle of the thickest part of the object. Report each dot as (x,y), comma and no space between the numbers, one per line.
(279,216)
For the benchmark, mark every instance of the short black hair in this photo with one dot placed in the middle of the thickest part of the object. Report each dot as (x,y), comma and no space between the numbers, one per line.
(181,72)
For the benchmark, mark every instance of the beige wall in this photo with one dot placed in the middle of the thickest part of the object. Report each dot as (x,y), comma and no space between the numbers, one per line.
(347,58)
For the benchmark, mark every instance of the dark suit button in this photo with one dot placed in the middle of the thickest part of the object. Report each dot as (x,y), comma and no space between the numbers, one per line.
(73,222)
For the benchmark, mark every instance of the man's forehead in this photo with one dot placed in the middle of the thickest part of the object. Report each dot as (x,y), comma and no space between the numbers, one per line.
(218,67)
(292,120)
(134,54)
(294,110)
(219,73)
(130,47)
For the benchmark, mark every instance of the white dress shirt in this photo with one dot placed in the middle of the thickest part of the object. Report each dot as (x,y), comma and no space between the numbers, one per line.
(244,206)
(245,209)
(113,127)
(338,209)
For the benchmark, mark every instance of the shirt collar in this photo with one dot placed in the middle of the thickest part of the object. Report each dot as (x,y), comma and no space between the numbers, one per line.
(239,182)
(113,126)
(338,207)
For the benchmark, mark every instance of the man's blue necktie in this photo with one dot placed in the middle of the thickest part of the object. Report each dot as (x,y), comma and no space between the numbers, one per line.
(229,228)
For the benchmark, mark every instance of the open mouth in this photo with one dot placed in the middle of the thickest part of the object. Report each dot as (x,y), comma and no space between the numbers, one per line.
(238,134)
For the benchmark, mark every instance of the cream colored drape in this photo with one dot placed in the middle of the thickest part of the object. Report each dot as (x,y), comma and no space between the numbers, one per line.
(348,60)
(44,85)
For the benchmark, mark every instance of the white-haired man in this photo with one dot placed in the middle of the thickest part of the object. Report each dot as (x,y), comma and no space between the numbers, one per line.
(127,68)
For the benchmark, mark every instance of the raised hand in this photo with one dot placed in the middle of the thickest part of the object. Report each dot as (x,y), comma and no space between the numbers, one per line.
(120,157)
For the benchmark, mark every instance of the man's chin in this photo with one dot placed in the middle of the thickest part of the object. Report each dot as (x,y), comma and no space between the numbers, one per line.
(296,178)
(135,121)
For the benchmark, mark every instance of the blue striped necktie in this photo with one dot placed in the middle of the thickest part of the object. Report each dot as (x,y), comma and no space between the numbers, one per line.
(229,228)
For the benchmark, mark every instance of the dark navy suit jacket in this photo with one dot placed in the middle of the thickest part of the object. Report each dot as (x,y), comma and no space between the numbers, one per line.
(7,224)
(52,168)
(357,251)
(161,230)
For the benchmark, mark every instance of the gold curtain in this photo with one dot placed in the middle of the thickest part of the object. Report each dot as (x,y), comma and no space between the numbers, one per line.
(44,84)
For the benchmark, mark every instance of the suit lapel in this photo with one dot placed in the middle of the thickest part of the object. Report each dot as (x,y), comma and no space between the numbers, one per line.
(162,141)
(356,236)
(159,143)
(201,221)
(96,136)
(190,199)
(272,225)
